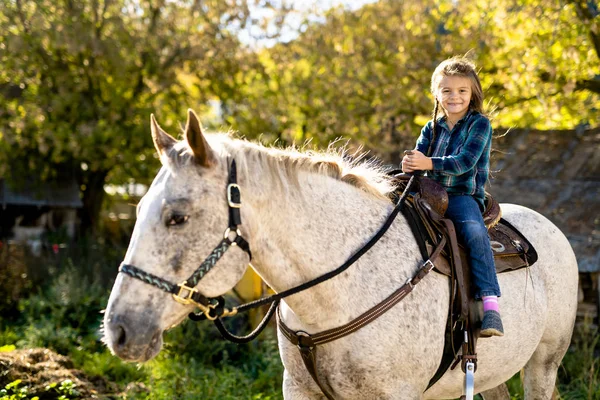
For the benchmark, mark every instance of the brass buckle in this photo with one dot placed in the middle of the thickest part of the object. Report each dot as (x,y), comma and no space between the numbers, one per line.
(183,298)
(229,313)
(186,299)
(229,201)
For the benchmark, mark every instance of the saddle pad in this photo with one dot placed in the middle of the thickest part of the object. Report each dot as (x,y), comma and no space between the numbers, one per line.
(511,250)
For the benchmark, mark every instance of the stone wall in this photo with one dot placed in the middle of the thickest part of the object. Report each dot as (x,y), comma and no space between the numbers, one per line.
(556,173)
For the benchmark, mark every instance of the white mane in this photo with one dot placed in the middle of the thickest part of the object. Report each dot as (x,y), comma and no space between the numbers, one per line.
(283,165)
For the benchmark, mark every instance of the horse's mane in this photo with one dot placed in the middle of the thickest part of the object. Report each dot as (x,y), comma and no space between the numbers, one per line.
(282,165)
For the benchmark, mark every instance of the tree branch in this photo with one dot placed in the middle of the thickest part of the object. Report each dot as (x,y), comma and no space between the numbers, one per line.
(584,12)
(593,85)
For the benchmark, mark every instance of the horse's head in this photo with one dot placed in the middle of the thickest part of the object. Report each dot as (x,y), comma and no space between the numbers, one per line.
(180,220)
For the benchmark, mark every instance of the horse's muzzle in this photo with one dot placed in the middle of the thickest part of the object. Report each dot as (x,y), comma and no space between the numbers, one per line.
(131,340)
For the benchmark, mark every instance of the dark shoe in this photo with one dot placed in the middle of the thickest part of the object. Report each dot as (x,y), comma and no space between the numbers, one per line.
(491,324)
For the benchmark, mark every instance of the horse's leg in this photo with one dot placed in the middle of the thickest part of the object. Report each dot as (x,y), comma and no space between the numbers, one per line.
(498,393)
(541,369)
(293,391)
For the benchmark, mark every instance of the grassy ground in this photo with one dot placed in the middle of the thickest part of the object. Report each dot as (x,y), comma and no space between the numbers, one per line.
(58,306)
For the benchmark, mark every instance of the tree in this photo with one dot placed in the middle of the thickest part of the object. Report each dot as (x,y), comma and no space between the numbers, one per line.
(354,73)
(80,79)
(539,59)
(343,78)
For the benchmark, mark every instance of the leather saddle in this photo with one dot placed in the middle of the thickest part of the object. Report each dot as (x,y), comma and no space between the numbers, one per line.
(426,205)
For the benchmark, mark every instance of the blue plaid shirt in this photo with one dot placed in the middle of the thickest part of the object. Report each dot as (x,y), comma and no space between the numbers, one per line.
(461,156)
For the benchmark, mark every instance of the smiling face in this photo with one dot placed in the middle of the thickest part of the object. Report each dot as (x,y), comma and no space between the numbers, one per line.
(454,94)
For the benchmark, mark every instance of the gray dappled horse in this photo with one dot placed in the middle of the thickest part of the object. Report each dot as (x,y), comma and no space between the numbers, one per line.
(303,215)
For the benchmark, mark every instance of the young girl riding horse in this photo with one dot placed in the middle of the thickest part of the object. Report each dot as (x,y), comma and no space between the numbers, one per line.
(454,150)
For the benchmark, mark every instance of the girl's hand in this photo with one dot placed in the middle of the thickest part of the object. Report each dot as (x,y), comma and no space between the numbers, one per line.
(414,160)
(405,162)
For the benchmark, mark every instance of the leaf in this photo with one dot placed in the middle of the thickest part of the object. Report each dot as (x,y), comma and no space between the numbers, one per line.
(7,348)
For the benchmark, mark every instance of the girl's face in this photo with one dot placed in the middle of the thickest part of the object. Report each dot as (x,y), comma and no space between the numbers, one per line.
(454,95)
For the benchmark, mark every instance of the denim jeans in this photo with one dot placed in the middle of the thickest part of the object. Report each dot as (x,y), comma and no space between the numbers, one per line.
(464,212)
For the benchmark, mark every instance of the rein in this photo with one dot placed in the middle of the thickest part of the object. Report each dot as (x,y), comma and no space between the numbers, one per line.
(213,308)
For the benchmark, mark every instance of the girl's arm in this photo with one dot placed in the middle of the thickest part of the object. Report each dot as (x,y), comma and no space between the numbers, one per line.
(424,138)
(478,141)
(408,161)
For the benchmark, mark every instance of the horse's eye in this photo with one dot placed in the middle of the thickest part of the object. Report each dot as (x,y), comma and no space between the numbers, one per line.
(177,219)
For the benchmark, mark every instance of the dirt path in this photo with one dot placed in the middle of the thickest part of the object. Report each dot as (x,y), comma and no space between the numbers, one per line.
(42,373)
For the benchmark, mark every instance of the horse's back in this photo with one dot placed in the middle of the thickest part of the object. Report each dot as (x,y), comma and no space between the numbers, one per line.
(556,257)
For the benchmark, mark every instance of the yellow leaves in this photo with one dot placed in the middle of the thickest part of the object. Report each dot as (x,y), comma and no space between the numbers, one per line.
(303,68)
(556,50)
(445,7)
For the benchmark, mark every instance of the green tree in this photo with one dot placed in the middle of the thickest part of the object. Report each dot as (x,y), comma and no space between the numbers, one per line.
(79,80)
(539,59)
(343,77)
(355,74)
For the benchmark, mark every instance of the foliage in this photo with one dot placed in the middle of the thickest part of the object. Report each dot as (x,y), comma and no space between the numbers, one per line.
(13,391)
(579,376)
(365,74)
(80,79)
(64,316)
(16,390)
(537,60)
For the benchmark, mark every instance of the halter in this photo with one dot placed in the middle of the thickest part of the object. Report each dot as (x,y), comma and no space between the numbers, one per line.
(186,292)
(213,308)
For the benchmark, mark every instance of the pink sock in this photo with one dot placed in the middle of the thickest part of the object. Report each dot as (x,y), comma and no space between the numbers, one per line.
(490,303)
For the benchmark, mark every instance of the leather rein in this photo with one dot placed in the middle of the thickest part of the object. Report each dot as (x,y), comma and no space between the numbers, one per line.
(213,308)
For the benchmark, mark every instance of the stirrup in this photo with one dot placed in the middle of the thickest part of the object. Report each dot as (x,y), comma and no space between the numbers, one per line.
(468,365)
(469,381)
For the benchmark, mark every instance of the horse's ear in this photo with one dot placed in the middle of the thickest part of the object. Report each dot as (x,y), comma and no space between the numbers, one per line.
(203,154)
(162,140)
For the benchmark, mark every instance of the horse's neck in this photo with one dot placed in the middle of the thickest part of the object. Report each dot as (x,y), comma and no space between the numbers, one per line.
(296,238)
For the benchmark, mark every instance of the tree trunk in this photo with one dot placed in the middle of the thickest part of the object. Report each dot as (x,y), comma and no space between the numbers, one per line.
(93,196)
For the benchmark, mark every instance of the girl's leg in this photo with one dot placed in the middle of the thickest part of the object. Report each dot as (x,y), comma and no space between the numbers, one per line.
(465,214)
(470,228)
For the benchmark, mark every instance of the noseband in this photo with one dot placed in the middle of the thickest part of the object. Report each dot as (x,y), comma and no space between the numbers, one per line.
(186,292)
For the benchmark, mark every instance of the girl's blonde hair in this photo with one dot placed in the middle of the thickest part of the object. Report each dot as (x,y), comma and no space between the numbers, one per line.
(456,66)
(463,67)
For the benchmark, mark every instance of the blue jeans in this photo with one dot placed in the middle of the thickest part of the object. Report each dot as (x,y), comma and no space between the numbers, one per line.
(464,212)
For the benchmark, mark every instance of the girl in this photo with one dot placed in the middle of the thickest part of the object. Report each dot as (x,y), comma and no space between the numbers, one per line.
(454,149)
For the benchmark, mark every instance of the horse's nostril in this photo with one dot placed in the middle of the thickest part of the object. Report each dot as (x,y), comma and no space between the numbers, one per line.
(121,336)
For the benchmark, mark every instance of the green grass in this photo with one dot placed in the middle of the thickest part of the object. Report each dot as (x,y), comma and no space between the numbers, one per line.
(64,314)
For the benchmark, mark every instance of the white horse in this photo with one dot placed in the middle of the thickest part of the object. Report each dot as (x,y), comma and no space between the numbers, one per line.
(303,215)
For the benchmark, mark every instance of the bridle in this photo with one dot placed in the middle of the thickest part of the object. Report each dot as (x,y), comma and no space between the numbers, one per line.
(186,292)
(213,308)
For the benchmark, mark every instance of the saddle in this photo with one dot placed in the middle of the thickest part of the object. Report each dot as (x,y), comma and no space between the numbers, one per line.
(425,208)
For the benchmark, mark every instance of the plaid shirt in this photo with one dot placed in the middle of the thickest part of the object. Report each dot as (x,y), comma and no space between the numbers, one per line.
(461,156)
